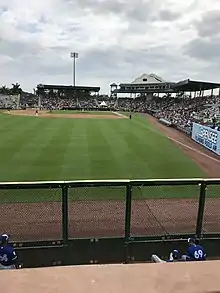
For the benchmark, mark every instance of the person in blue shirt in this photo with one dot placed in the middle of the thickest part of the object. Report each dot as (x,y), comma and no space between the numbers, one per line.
(195,252)
(8,256)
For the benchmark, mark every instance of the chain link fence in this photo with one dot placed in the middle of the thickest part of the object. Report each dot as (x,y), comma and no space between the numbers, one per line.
(164,210)
(96,211)
(31,214)
(211,218)
(99,211)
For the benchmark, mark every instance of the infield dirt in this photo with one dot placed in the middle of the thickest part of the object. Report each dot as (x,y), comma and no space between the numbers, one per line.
(46,114)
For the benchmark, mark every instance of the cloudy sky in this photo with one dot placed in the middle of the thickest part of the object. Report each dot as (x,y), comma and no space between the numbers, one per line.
(117,40)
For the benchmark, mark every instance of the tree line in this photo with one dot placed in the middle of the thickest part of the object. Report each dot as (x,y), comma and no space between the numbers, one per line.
(14,90)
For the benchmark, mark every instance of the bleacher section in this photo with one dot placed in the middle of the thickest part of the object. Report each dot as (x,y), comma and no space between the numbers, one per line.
(9,101)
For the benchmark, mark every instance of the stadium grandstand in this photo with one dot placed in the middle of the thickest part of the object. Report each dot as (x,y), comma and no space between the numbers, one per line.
(178,103)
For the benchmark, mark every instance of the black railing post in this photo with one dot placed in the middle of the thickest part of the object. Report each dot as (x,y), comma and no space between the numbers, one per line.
(201,209)
(127,220)
(65,214)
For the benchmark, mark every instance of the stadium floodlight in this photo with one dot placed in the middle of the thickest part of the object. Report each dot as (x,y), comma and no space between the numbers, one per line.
(74,56)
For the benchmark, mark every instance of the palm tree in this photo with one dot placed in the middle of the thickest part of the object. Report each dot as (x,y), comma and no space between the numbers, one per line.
(16,88)
(4,90)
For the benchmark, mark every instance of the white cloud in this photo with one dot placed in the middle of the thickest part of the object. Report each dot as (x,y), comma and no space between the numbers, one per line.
(116,40)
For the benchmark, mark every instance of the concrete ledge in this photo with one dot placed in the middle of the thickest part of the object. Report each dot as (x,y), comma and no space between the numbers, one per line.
(150,278)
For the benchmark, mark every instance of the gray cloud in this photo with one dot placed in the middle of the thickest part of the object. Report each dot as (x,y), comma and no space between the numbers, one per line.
(168,15)
(16,49)
(205,49)
(3,9)
(137,61)
(209,25)
(31,28)
(139,10)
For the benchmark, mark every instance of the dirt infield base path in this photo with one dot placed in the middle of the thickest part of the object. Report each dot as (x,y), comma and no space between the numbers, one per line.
(205,159)
(46,114)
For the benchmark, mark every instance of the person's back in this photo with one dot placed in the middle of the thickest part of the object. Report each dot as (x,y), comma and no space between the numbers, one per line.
(195,252)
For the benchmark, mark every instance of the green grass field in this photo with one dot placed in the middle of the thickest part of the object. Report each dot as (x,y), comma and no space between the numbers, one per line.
(35,149)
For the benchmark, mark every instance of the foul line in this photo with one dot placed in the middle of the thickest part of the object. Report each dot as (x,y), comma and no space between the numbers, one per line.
(195,150)
(119,114)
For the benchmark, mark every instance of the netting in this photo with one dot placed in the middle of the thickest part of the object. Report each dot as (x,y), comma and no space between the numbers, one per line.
(211,219)
(164,210)
(31,214)
(96,212)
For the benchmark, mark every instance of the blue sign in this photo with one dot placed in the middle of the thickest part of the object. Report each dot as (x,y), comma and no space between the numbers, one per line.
(206,136)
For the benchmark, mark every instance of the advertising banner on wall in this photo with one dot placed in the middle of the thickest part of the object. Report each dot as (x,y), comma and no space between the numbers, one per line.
(207,137)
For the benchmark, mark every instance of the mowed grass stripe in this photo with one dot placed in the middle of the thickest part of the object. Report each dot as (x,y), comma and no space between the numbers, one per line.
(103,148)
(48,158)
(13,149)
(127,151)
(27,151)
(76,160)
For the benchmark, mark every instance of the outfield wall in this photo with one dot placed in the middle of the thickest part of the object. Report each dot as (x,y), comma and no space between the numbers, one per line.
(206,136)
(112,221)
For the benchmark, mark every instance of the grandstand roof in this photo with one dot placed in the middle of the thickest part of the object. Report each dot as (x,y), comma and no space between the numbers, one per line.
(148,78)
(193,85)
(67,87)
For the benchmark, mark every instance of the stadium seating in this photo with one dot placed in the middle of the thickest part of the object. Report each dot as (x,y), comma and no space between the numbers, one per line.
(179,110)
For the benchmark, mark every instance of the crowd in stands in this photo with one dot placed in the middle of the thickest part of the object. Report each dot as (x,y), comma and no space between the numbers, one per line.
(184,111)
(181,111)
(28,100)
(9,101)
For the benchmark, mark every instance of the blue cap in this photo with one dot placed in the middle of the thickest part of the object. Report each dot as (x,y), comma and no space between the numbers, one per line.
(4,237)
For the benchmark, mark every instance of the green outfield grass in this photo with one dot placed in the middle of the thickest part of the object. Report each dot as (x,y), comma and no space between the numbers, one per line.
(35,149)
